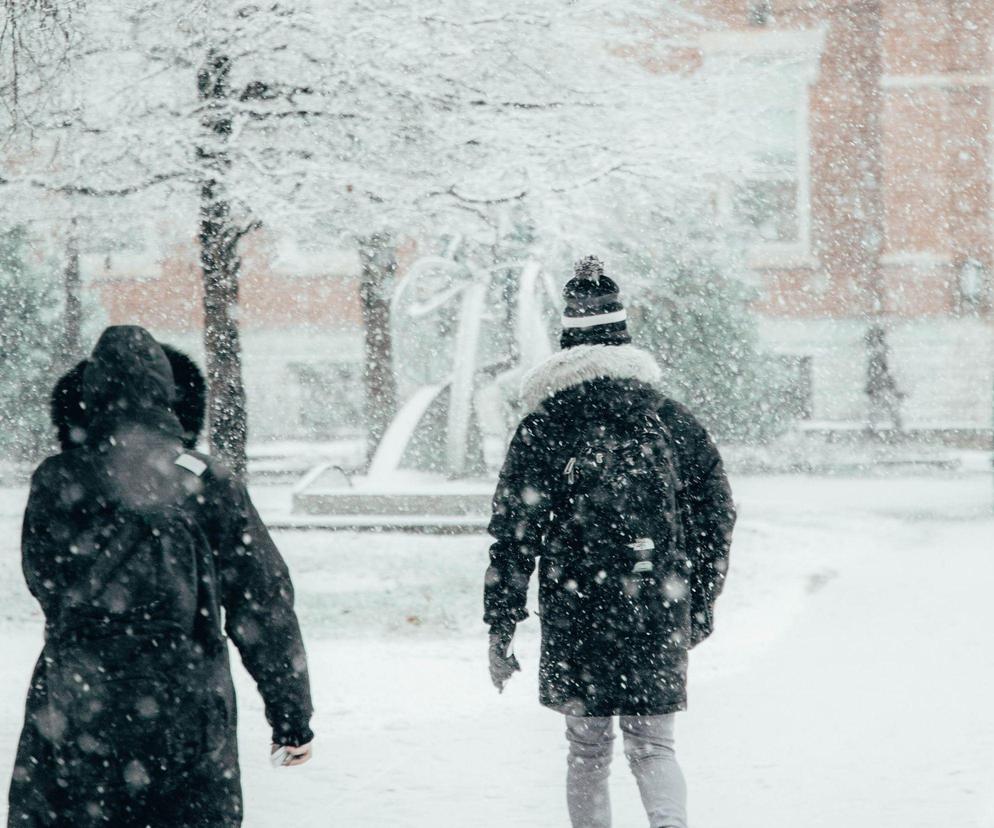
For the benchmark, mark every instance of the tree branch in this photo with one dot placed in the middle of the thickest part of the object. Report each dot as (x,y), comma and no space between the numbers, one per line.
(504,199)
(85,190)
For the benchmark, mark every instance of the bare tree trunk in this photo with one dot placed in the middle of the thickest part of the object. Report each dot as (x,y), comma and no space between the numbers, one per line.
(71,348)
(221,265)
(222,343)
(379,266)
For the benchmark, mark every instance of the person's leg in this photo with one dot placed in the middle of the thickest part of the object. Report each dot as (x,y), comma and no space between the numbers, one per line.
(591,741)
(649,746)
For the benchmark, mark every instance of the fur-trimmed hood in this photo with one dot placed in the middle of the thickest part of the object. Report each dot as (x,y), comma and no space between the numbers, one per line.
(71,418)
(583,363)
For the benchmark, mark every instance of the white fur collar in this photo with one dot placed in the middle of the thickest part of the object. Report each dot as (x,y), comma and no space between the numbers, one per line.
(582,363)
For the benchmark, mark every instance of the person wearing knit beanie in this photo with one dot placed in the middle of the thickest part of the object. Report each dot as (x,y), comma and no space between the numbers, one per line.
(617,496)
(594,313)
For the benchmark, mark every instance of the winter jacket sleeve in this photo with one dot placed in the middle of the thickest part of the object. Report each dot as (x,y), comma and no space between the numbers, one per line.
(43,535)
(520,512)
(258,600)
(708,514)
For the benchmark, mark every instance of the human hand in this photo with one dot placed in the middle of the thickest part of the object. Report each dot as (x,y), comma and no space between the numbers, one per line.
(503,662)
(286,756)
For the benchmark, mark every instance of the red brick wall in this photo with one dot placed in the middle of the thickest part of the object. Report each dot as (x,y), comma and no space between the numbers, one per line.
(172,300)
(908,161)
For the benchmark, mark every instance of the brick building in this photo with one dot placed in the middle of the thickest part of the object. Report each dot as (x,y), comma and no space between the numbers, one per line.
(869,191)
(871,195)
(300,325)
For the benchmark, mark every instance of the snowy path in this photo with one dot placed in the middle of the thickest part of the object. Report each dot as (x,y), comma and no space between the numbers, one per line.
(849,683)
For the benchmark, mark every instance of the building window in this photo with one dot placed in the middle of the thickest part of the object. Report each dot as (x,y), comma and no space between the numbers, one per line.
(973,281)
(768,207)
(798,388)
(331,399)
(770,198)
(760,12)
(766,78)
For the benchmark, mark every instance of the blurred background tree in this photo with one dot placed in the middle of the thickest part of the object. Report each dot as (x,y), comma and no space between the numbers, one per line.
(683,275)
(30,332)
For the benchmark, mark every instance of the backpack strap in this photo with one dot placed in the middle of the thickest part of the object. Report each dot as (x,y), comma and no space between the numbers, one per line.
(126,542)
(208,624)
(109,561)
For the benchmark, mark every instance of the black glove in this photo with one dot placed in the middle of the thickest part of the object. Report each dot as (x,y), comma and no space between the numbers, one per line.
(503,663)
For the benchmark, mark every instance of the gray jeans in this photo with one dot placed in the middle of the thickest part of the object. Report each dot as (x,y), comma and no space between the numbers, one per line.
(649,747)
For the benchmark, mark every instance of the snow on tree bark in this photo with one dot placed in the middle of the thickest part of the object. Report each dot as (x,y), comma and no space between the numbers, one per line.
(221,264)
(379,265)
(71,346)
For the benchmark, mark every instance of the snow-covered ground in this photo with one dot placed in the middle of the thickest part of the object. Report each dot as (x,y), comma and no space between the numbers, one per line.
(849,683)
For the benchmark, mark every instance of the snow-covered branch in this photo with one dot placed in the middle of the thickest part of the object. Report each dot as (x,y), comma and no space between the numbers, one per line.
(91,190)
(341,119)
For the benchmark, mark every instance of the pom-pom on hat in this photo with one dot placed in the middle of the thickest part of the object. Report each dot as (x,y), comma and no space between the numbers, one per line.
(594,314)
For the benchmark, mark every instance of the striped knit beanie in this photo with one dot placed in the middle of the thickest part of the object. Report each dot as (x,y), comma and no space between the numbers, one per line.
(594,314)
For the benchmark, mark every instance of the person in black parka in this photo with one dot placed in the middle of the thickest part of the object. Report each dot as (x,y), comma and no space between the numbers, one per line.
(622,600)
(135,545)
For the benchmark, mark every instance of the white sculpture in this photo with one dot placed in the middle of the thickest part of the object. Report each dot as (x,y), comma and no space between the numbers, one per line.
(454,319)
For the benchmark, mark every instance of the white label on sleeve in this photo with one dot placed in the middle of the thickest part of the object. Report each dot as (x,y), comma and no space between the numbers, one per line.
(191,464)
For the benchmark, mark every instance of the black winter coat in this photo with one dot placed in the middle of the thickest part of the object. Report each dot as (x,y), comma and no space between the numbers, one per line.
(132,546)
(612,644)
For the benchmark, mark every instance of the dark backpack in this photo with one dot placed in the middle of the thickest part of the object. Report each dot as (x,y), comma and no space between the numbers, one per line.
(617,498)
(128,676)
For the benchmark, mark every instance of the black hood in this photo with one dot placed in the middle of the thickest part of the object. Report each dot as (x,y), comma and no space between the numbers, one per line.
(71,416)
(127,373)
